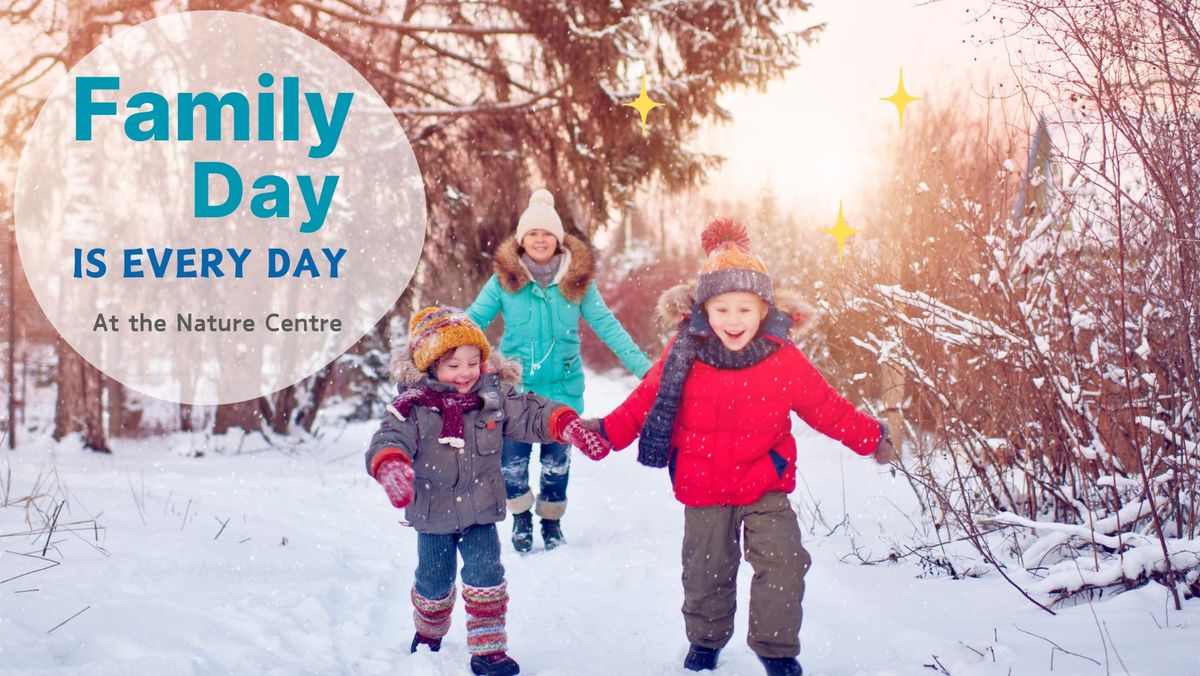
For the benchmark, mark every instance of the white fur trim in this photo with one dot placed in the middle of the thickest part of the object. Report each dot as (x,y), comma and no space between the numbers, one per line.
(563,266)
(521,503)
(452,441)
(551,510)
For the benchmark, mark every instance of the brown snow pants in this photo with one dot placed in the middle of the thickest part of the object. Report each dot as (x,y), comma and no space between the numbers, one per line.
(711,553)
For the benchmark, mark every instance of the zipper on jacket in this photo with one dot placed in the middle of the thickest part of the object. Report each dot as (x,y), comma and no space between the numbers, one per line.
(533,368)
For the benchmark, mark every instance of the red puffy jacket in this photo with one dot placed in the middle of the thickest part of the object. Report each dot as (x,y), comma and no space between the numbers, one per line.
(732,440)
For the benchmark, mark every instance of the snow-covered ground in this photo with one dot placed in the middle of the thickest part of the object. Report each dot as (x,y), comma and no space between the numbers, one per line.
(289,560)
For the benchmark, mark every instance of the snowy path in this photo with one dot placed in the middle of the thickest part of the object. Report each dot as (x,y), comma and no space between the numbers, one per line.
(169,592)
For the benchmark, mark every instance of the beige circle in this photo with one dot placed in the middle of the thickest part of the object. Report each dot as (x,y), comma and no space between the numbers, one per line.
(123,195)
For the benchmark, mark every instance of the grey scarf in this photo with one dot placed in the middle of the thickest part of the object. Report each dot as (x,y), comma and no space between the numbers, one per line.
(695,341)
(543,273)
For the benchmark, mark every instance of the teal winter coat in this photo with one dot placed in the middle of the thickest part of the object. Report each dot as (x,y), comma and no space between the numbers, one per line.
(541,326)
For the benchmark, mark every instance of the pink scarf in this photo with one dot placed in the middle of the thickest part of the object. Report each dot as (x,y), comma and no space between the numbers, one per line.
(451,404)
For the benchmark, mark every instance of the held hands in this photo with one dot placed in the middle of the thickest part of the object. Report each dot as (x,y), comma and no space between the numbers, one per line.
(885,452)
(584,434)
(591,424)
(588,439)
(396,477)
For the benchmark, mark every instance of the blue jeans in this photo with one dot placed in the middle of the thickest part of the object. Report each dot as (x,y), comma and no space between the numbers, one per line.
(480,550)
(556,468)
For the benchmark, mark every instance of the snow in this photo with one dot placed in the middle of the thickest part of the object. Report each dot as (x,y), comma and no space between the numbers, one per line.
(288,559)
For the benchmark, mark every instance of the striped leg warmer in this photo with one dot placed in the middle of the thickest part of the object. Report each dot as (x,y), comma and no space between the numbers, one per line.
(486,608)
(432,616)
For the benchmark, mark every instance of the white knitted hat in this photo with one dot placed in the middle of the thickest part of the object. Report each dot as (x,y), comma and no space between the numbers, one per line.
(540,215)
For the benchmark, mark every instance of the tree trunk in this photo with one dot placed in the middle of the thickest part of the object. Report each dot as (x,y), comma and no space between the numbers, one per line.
(93,408)
(123,422)
(244,414)
(80,403)
(316,397)
(283,403)
(67,409)
(12,340)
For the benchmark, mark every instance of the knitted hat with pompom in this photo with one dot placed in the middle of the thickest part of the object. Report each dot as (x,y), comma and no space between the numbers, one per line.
(731,264)
(434,331)
(540,215)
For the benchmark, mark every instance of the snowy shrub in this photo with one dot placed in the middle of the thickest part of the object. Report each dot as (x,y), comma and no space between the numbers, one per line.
(1047,358)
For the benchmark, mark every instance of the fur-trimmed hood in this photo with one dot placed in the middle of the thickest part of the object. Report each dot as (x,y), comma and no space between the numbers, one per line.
(577,270)
(405,373)
(676,303)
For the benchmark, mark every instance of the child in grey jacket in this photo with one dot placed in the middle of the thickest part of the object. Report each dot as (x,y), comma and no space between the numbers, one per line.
(438,456)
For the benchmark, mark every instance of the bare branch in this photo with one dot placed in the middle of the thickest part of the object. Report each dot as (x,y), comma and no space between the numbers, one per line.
(408,27)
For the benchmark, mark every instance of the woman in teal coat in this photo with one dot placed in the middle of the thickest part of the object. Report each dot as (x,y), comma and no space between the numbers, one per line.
(542,286)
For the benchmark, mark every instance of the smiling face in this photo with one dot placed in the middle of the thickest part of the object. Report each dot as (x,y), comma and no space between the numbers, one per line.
(735,317)
(460,368)
(541,245)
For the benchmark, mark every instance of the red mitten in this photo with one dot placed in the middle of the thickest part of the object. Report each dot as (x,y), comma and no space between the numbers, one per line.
(396,477)
(593,444)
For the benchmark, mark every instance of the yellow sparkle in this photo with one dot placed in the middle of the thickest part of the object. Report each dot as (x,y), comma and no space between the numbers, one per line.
(900,99)
(644,104)
(840,231)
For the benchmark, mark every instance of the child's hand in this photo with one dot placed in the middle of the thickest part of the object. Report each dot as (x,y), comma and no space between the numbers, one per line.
(885,452)
(396,477)
(585,434)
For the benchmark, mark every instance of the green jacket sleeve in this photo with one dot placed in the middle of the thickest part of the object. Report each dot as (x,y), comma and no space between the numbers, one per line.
(602,321)
(486,304)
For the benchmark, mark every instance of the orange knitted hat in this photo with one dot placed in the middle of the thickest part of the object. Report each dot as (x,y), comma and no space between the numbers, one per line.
(731,264)
(434,331)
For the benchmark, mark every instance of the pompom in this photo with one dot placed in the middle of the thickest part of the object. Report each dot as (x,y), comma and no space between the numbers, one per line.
(724,230)
(542,196)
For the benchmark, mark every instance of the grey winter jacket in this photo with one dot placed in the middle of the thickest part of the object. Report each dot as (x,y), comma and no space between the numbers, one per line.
(456,488)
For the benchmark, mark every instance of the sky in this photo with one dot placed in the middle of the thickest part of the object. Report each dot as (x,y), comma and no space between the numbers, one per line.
(816,136)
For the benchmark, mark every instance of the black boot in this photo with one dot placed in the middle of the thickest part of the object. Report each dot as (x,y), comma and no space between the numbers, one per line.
(522,536)
(552,533)
(781,666)
(435,644)
(700,658)
(494,664)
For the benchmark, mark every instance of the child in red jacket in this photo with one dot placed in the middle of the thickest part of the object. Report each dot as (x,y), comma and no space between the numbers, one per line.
(715,410)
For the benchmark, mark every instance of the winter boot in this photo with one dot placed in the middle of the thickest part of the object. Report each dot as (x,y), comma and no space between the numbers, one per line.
(486,637)
(435,644)
(432,619)
(522,536)
(781,666)
(494,664)
(552,533)
(700,658)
